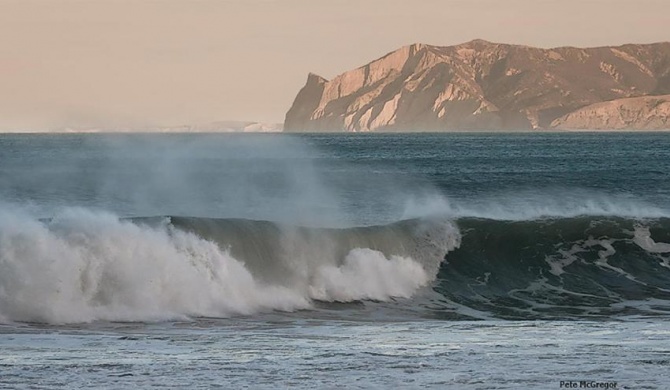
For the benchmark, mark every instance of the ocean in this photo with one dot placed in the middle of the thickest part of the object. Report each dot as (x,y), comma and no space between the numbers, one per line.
(263,261)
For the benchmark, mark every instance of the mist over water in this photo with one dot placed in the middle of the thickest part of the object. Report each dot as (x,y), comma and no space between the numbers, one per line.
(336,180)
(69,253)
(140,175)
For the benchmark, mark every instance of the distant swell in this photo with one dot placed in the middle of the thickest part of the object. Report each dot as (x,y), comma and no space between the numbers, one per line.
(83,266)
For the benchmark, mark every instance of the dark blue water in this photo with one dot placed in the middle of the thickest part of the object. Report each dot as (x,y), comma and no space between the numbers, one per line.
(466,261)
(469,165)
(353,179)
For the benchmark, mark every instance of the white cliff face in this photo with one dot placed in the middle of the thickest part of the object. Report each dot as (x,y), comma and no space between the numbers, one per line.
(477,85)
(641,113)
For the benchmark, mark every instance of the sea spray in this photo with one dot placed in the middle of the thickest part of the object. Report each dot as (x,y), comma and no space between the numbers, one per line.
(368,274)
(82,266)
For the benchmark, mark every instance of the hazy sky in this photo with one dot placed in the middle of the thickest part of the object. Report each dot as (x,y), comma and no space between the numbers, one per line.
(168,62)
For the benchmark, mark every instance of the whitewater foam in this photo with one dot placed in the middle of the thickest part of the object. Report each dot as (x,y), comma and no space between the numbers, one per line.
(642,237)
(83,266)
(368,274)
(86,266)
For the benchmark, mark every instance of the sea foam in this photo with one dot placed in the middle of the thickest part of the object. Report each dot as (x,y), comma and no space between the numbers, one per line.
(83,266)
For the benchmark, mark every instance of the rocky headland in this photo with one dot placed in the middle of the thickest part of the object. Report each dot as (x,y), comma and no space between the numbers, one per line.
(481,85)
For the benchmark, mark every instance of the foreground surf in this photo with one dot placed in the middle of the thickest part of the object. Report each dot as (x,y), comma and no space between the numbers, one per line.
(83,266)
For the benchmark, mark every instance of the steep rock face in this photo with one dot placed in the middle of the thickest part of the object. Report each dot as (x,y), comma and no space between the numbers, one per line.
(641,113)
(477,85)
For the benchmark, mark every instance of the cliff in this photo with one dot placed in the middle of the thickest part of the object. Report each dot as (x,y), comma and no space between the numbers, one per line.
(481,85)
(641,113)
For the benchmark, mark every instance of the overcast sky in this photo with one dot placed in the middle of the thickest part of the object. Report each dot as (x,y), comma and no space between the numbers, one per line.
(168,62)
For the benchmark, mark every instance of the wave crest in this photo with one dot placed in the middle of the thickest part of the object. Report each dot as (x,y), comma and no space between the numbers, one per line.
(84,266)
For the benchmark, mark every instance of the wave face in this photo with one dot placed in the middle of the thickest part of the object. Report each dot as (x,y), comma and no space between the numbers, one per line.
(576,267)
(83,266)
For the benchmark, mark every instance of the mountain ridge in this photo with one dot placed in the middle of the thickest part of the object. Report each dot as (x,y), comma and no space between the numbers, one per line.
(479,85)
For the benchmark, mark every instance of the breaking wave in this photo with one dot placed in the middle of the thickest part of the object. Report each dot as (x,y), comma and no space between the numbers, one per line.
(83,266)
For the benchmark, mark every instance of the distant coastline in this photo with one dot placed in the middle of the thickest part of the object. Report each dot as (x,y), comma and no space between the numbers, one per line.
(212,127)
